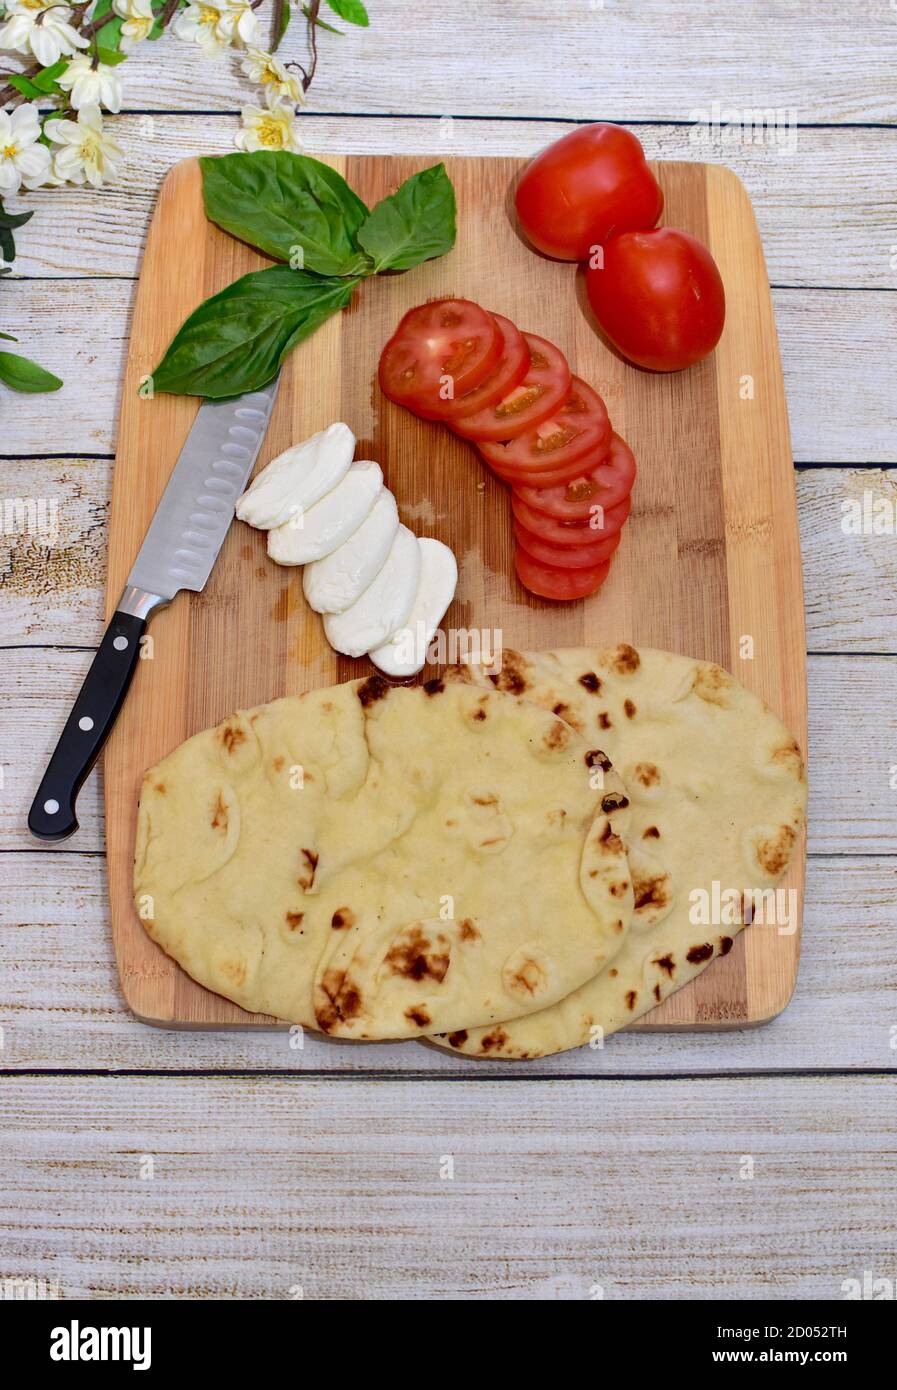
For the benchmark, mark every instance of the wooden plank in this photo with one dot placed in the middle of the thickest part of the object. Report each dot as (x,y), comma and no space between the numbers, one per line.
(803,236)
(54,595)
(650,60)
(61,1006)
(848,523)
(636,1189)
(80,330)
(718,539)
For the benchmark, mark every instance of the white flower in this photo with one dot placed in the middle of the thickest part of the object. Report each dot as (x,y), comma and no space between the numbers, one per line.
(139,20)
(22,159)
(88,154)
(40,27)
(268,71)
(272,127)
(239,22)
(91,86)
(200,23)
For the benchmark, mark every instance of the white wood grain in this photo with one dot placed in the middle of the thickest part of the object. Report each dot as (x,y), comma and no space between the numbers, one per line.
(850,578)
(809,237)
(853,804)
(589,59)
(60,1005)
(52,595)
(836,346)
(335,1190)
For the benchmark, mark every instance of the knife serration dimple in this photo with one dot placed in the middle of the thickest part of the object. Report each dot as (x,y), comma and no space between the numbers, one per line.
(197,507)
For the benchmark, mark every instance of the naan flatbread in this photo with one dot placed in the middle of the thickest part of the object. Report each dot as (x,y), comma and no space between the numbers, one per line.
(382,862)
(718,797)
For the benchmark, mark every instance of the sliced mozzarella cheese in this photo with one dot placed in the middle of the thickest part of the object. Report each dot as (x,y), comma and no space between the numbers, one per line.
(333,584)
(298,478)
(385,604)
(405,653)
(312,534)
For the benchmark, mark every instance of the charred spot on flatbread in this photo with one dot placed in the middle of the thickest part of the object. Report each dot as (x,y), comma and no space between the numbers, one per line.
(435,686)
(418,1015)
(220,815)
(596,758)
(343,918)
(372,690)
(652,833)
(467,930)
(614,801)
(625,660)
(696,955)
(231,735)
(590,682)
(310,863)
(458,1039)
(725,945)
(416,956)
(341,999)
(667,964)
(294,920)
(604,720)
(713,685)
(496,1038)
(773,854)
(512,679)
(629,709)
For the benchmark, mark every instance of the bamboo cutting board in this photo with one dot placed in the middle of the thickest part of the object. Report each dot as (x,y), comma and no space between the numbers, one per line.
(709,564)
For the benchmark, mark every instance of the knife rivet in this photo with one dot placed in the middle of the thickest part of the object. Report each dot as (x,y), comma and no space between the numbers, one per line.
(120,643)
(85,723)
(51,807)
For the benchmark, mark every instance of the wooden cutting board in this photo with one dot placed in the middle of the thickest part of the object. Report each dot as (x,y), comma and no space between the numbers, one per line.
(709,565)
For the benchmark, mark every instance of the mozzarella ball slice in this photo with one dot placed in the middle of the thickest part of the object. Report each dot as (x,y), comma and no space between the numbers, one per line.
(312,534)
(333,584)
(298,478)
(385,604)
(405,653)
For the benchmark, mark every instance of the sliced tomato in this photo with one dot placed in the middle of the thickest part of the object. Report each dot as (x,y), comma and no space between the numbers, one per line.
(513,366)
(565,557)
(606,484)
(448,343)
(560,584)
(536,398)
(579,429)
(555,532)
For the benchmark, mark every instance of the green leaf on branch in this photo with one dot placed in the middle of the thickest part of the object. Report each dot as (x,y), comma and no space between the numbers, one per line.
(352,11)
(9,221)
(9,338)
(286,15)
(321,23)
(414,224)
(237,340)
(24,375)
(110,56)
(111,30)
(290,206)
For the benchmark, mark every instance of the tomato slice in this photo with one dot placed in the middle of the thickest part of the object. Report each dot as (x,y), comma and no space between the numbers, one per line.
(536,398)
(572,557)
(555,532)
(560,584)
(512,367)
(579,429)
(445,342)
(606,484)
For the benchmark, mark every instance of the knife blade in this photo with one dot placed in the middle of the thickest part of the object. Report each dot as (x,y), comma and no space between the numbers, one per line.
(179,551)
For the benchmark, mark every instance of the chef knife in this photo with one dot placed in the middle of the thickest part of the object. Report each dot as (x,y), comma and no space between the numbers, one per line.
(179,551)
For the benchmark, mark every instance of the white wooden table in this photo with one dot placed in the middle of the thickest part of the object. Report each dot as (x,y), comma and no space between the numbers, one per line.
(266,1177)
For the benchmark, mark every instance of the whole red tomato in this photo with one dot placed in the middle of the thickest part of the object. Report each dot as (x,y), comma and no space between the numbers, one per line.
(659,298)
(586,186)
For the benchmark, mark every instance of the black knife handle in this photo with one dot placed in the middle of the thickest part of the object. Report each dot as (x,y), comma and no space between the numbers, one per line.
(52,815)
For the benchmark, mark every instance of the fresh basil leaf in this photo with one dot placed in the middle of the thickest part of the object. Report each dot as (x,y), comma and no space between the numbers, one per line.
(414,224)
(321,23)
(287,204)
(24,375)
(236,341)
(352,11)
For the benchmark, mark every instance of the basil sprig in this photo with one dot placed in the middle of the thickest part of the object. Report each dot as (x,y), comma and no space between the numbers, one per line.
(282,203)
(301,212)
